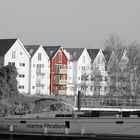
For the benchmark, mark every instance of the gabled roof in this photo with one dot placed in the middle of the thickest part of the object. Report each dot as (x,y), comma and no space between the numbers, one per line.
(93,53)
(5,45)
(51,50)
(107,55)
(75,53)
(119,54)
(32,49)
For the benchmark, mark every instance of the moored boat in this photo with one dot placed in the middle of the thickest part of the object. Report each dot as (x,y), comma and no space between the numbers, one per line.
(52,116)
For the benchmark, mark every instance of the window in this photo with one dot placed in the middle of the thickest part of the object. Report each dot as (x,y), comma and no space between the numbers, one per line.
(39,66)
(98,60)
(53,108)
(22,64)
(39,56)
(83,59)
(11,63)
(59,57)
(42,65)
(83,67)
(38,69)
(21,87)
(33,87)
(21,75)
(13,54)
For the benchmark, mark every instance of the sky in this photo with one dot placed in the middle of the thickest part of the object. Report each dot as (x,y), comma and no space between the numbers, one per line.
(70,23)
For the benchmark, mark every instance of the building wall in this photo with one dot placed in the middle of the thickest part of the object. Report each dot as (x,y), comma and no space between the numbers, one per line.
(53,62)
(70,84)
(40,77)
(84,70)
(20,57)
(98,69)
(75,73)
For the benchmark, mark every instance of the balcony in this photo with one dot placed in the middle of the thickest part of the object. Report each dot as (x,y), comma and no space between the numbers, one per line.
(60,92)
(39,83)
(60,69)
(40,73)
(84,77)
(60,81)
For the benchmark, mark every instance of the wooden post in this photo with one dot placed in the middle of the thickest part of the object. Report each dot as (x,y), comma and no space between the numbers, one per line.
(79,101)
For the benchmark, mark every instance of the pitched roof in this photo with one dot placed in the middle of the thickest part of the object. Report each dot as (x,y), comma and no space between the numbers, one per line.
(5,45)
(93,53)
(119,54)
(107,55)
(32,49)
(75,53)
(51,50)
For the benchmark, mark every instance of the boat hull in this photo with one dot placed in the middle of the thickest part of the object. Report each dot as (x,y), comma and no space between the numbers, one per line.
(97,126)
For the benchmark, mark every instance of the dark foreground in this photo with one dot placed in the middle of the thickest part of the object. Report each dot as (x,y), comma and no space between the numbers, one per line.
(22,136)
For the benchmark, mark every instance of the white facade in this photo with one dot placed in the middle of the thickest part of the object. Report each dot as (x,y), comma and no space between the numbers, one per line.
(98,66)
(40,73)
(83,73)
(18,56)
(76,70)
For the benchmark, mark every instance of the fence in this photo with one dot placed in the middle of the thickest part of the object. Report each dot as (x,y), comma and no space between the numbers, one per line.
(110,102)
(91,102)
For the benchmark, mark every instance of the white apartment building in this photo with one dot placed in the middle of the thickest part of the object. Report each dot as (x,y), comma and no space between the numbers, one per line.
(13,52)
(39,70)
(98,71)
(78,71)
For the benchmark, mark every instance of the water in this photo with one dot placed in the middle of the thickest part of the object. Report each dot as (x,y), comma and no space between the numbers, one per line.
(19,137)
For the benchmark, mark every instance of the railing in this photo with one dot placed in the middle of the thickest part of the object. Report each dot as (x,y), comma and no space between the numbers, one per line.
(60,81)
(40,83)
(60,92)
(110,102)
(40,73)
(61,69)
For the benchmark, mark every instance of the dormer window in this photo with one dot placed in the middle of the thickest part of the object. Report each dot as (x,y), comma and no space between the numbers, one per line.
(83,59)
(98,60)
(59,57)
(39,56)
(13,55)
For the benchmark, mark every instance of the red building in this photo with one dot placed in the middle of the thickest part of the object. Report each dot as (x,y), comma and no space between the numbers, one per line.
(58,69)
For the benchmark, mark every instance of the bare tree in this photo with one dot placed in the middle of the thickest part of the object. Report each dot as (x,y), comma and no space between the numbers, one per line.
(133,53)
(114,43)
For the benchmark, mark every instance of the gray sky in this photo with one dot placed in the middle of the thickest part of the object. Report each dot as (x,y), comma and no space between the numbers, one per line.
(70,23)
